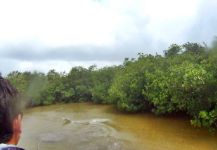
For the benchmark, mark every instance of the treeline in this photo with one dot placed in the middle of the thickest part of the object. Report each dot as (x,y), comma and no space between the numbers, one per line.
(183,80)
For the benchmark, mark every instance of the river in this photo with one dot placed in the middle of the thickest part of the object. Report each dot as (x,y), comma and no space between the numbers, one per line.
(85,126)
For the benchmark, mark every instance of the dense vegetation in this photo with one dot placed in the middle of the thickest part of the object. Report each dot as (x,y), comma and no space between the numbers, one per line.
(183,80)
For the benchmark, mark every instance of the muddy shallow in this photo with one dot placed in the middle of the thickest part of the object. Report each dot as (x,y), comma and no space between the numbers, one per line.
(83,126)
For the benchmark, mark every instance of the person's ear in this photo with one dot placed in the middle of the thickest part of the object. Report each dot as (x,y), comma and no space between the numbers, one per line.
(17,129)
(17,124)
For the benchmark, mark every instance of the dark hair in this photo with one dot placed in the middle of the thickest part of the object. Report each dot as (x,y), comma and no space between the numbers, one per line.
(9,109)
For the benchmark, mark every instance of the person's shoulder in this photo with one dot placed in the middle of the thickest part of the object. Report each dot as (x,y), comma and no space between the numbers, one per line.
(12,148)
(9,147)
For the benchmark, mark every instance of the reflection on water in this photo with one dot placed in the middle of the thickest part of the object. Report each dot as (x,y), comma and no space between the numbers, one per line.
(99,127)
(82,136)
(78,128)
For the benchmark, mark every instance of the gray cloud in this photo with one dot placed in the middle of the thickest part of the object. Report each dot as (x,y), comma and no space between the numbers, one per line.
(8,65)
(75,53)
(139,41)
(205,24)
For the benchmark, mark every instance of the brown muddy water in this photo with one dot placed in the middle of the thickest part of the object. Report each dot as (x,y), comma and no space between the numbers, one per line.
(84,126)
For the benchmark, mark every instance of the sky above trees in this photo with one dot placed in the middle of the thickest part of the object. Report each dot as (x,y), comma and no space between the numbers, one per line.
(58,34)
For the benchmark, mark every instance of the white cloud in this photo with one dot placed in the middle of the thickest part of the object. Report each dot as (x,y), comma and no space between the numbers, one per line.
(57,23)
(78,22)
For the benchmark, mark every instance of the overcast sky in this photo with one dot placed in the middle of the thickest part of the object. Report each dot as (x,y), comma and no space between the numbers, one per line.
(59,34)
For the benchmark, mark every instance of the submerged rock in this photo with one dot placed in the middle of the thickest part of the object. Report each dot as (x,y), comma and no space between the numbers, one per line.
(66,121)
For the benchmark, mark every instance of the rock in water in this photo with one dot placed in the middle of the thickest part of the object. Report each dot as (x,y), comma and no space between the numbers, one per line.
(66,121)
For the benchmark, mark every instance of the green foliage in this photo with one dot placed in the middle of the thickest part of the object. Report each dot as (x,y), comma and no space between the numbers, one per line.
(173,50)
(206,119)
(193,48)
(102,80)
(127,89)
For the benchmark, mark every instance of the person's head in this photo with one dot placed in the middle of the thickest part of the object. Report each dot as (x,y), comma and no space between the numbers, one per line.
(10,113)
